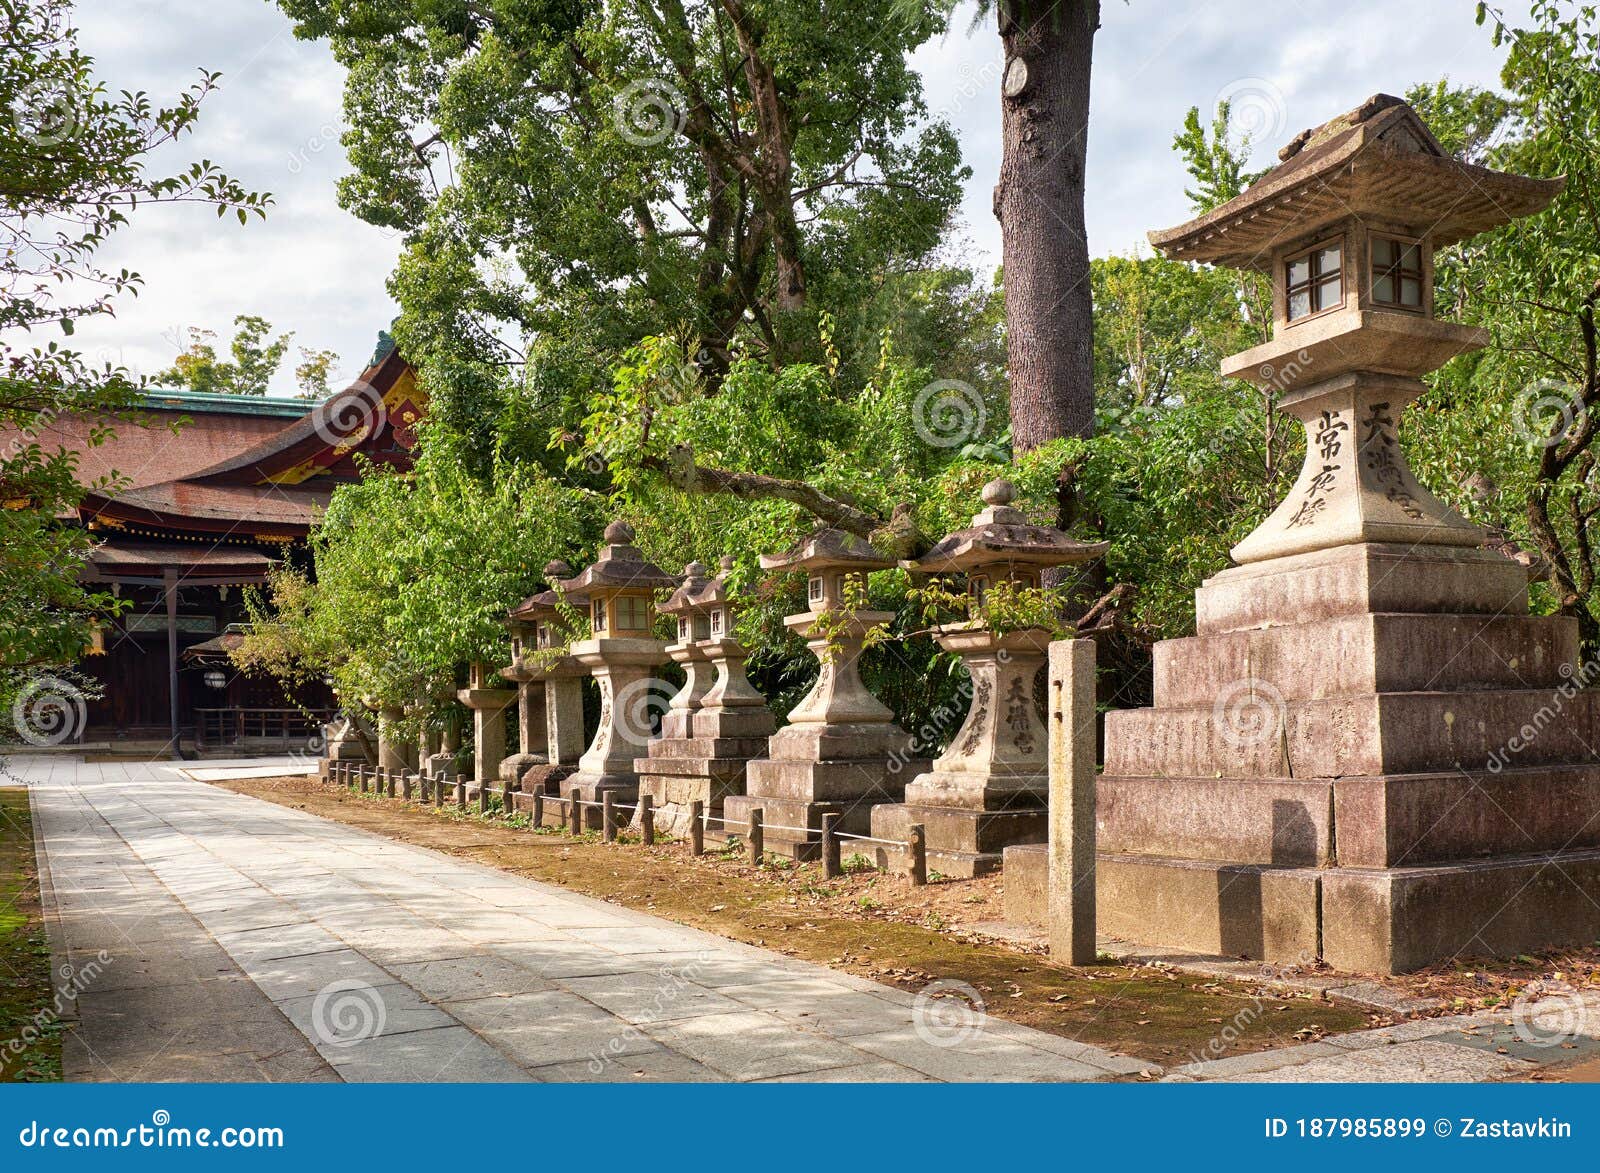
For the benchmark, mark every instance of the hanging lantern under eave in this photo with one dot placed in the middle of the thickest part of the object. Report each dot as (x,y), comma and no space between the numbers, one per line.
(215,678)
(97,641)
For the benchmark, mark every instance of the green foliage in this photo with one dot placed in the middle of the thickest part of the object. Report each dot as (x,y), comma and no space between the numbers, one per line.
(74,164)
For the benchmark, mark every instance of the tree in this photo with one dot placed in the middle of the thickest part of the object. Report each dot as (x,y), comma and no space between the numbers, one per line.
(73,165)
(256,359)
(620,168)
(1049,47)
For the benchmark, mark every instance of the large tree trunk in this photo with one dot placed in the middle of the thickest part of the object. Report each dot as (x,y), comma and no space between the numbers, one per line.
(1039,202)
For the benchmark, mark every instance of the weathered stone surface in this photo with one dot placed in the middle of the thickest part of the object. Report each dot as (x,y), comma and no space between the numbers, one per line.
(1284,821)
(1027,884)
(1401,919)
(960,843)
(1415,819)
(1237,910)
(1388,733)
(1353,655)
(1367,577)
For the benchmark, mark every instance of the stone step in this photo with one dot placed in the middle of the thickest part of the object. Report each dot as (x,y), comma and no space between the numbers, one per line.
(1368,822)
(1386,733)
(1357,654)
(1361,578)
(831,781)
(780,817)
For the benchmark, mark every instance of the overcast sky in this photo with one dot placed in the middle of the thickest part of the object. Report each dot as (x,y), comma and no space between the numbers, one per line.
(314,269)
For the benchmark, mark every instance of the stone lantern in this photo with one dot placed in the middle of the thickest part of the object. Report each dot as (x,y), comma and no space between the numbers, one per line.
(716,722)
(619,591)
(554,680)
(841,751)
(532,734)
(990,788)
(1337,764)
(488,707)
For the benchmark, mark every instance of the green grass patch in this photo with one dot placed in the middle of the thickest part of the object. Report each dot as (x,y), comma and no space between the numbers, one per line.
(30,1032)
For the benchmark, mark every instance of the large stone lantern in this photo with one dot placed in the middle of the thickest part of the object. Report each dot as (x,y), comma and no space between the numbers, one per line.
(540,655)
(841,751)
(990,788)
(619,591)
(1338,764)
(716,722)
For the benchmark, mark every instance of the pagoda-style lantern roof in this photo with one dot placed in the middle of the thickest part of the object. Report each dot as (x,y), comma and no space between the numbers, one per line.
(686,599)
(1367,163)
(545,603)
(1002,536)
(828,549)
(620,567)
(718,592)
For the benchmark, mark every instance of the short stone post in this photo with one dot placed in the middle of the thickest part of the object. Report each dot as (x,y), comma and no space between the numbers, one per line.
(461,792)
(647,821)
(697,827)
(754,836)
(917,843)
(390,782)
(608,817)
(1072,798)
(574,813)
(830,847)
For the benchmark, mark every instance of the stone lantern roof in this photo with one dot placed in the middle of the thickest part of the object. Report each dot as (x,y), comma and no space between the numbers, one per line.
(620,567)
(546,603)
(717,592)
(828,549)
(1000,534)
(686,599)
(1378,160)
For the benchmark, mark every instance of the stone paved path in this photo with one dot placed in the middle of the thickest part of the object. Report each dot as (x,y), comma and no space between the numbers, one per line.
(246,941)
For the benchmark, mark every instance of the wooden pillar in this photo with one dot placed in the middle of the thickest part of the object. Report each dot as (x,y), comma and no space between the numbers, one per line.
(169,580)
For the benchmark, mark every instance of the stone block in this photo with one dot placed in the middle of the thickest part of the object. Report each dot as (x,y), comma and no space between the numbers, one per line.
(1362,578)
(1398,920)
(1232,910)
(1392,733)
(1027,884)
(1417,819)
(1352,655)
(960,843)
(1283,821)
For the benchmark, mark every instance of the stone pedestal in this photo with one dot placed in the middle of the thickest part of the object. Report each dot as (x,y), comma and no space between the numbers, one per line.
(531,724)
(714,725)
(624,670)
(344,744)
(488,707)
(990,787)
(393,753)
(841,752)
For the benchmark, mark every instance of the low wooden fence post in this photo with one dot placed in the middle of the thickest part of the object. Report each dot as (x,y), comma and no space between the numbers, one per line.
(575,811)
(538,808)
(917,842)
(754,835)
(608,818)
(461,792)
(830,847)
(697,828)
(647,821)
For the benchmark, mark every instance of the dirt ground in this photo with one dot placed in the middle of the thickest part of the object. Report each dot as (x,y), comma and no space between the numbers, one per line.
(867,923)
(30,1036)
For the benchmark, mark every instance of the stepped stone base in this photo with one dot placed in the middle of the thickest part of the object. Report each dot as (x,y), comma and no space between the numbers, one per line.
(680,771)
(1385,921)
(960,843)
